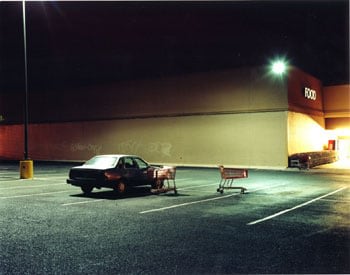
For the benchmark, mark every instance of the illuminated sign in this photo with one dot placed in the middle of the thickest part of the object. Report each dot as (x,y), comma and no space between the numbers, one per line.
(309,93)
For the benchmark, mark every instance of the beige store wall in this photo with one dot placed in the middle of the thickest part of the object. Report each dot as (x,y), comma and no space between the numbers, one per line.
(243,90)
(336,101)
(234,117)
(251,140)
(305,133)
(337,107)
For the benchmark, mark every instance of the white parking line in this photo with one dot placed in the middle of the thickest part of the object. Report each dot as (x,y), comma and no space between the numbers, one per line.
(183,179)
(197,186)
(30,186)
(11,180)
(295,207)
(16,179)
(201,201)
(91,200)
(187,203)
(33,195)
(82,202)
(51,178)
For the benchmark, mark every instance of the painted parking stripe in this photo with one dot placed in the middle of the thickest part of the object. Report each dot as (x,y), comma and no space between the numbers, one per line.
(197,186)
(11,179)
(33,195)
(82,202)
(183,179)
(205,200)
(295,207)
(91,201)
(30,186)
(50,178)
(187,203)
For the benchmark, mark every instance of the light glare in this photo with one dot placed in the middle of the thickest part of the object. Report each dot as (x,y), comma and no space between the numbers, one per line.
(279,67)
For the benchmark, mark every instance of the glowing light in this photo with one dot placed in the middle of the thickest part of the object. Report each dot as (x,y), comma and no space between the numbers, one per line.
(279,67)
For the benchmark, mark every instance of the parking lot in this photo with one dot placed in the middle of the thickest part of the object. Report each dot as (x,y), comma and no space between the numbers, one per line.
(289,221)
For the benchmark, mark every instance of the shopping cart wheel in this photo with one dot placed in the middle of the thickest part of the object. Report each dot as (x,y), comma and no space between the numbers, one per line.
(158,184)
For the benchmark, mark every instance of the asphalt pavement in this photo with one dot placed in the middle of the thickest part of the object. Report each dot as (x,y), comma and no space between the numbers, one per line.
(289,221)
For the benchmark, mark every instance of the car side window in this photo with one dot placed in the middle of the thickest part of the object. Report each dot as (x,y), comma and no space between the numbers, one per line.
(129,163)
(140,163)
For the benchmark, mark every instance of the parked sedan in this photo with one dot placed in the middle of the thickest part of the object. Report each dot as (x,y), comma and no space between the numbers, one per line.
(113,171)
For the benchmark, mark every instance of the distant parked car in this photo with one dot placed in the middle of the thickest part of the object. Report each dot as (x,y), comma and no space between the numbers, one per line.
(113,171)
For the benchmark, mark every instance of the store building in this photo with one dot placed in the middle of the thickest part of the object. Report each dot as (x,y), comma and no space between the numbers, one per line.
(244,117)
(337,119)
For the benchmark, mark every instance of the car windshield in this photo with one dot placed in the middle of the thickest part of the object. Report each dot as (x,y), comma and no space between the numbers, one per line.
(102,162)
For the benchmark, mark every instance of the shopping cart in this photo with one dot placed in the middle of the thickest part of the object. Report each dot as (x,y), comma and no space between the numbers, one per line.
(227,177)
(165,179)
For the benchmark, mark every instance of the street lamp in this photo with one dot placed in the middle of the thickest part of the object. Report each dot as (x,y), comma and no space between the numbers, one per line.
(26,166)
(278,67)
(25,82)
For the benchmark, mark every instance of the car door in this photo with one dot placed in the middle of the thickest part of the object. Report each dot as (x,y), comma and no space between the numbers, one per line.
(130,170)
(143,168)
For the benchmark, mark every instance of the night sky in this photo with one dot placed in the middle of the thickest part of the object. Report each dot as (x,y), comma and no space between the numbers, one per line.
(74,44)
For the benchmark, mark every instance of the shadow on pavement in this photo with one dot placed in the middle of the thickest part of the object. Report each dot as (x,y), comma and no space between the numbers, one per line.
(133,192)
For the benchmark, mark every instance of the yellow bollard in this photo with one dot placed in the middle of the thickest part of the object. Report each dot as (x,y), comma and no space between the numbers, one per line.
(26,169)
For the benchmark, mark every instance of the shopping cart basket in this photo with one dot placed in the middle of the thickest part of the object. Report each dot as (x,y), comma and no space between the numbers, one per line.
(165,179)
(227,177)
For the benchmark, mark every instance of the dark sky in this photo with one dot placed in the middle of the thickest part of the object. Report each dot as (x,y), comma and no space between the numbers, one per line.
(87,43)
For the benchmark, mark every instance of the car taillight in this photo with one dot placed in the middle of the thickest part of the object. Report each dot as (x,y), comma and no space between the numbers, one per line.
(111,176)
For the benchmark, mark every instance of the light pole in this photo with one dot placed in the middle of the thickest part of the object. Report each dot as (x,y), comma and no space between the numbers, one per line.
(26,166)
(25,82)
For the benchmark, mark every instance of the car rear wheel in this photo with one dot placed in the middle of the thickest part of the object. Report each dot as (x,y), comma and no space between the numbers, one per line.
(120,187)
(86,189)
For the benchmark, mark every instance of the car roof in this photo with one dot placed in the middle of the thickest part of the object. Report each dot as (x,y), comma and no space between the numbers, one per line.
(116,155)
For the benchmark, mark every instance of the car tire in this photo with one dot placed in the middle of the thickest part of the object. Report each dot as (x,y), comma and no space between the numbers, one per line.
(158,184)
(87,189)
(120,187)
